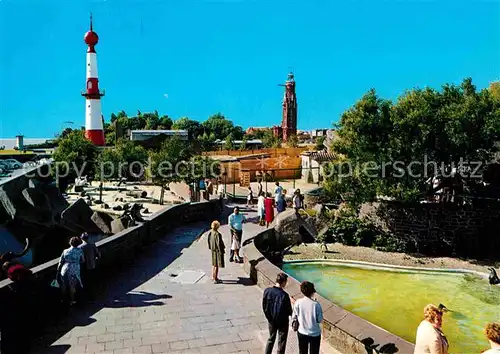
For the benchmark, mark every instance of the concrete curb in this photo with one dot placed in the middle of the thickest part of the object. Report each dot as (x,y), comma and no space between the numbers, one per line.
(383,266)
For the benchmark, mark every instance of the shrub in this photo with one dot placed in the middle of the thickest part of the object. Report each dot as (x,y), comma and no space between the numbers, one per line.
(390,243)
(348,229)
(308,212)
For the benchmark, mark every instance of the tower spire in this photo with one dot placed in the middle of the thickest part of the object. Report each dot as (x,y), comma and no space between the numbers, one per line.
(91,21)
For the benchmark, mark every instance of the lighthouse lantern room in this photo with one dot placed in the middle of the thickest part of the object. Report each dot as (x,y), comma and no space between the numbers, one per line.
(93,115)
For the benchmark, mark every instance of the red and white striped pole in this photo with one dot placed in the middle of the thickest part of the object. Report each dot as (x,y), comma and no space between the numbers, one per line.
(94,130)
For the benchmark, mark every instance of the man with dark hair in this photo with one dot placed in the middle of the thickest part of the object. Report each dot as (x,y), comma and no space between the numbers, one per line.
(236,221)
(91,254)
(277,308)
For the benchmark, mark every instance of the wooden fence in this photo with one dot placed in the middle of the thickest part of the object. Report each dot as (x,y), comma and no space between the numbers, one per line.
(293,152)
(278,167)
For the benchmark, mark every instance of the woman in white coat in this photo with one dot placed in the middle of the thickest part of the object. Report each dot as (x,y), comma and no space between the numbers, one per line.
(430,338)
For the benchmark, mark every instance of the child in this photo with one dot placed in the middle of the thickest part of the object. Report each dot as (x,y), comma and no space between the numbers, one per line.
(250,196)
(235,247)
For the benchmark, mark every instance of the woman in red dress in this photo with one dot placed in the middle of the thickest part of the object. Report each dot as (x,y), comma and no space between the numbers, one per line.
(269,209)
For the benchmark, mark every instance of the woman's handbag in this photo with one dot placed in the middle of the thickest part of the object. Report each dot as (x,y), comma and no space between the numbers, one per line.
(295,325)
(54,284)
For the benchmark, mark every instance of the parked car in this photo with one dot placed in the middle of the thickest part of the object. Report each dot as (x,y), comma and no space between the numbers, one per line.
(4,166)
(12,164)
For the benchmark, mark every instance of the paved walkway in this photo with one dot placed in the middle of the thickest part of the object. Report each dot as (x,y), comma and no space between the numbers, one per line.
(165,303)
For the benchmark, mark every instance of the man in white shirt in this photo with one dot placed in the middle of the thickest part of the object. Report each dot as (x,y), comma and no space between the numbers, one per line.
(493,334)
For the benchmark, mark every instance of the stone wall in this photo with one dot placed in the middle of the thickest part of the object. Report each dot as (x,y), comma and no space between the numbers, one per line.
(343,330)
(439,229)
(25,308)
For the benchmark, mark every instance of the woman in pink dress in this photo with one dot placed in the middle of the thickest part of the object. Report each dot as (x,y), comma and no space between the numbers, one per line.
(269,209)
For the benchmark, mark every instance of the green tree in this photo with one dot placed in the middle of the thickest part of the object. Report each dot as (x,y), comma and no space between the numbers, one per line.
(243,145)
(74,155)
(166,164)
(238,132)
(125,160)
(229,143)
(110,137)
(152,120)
(270,141)
(320,143)
(207,141)
(193,127)
(393,148)
(293,141)
(221,127)
(169,163)
(166,123)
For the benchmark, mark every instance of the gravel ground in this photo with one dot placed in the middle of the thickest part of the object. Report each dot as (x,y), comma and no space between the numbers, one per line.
(365,254)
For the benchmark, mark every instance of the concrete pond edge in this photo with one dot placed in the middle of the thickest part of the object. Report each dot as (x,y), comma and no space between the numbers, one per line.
(387,267)
(344,331)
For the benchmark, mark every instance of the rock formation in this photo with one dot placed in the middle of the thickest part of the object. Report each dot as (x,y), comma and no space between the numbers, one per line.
(34,202)
(292,228)
(78,217)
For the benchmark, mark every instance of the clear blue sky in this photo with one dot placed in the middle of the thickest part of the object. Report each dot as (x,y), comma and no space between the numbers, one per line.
(229,56)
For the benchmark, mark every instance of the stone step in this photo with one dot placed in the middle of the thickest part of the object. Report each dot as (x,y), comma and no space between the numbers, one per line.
(292,345)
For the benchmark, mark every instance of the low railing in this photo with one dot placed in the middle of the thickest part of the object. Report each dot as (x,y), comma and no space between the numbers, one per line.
(25,308)
(343,330)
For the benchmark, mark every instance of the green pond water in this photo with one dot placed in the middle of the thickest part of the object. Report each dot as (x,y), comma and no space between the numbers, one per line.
(394,300)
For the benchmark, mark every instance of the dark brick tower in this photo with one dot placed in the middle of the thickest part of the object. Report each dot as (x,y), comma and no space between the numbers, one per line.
(289,120)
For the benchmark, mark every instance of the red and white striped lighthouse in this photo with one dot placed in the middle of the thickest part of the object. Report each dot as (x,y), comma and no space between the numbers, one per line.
(93,116)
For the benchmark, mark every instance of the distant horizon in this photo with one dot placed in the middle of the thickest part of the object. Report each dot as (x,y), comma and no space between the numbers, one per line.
(195,58)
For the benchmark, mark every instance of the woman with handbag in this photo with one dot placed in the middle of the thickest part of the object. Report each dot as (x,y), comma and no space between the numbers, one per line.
(216,245)
(307,315)
(269,209)
(68,269)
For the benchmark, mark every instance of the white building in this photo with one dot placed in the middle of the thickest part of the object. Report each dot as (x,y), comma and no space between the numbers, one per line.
(141,135)
(313,163)
(250,144)
(20,142)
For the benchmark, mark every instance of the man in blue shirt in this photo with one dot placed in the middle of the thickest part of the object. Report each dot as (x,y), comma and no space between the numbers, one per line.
(235,222)
(278,191)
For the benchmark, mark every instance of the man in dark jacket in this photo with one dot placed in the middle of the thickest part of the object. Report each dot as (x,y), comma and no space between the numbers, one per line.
(277,308)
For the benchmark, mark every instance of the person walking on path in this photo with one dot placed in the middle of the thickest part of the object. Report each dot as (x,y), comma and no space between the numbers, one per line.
(278,191)
(281,203)
(259,187)
(492,332)
(298,201)
(203,188)
(261,208)
(308,313)
(269,209)
(277,309)
(249,196)
(235,248)
(210,188)
(91,255)
(220,190)
(235,221)
(216,245)
(68,269)
(430,338)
